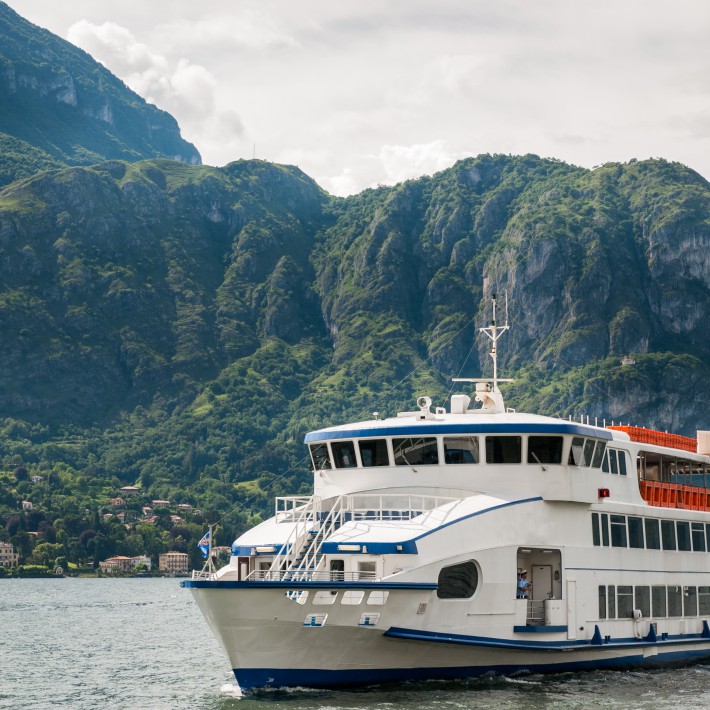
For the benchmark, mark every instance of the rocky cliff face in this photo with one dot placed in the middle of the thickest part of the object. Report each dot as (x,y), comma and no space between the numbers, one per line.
(59,100)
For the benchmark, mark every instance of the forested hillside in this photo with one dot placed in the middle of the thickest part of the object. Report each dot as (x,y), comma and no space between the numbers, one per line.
(181,327)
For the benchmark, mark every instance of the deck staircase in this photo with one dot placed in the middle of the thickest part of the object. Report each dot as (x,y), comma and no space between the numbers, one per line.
(311,529)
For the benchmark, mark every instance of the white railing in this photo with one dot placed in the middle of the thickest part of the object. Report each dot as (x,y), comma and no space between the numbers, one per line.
(373,506)
(309,556)
(311,576)
(304,512)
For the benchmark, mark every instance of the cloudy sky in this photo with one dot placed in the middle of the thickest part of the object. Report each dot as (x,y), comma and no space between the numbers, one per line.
(377,91)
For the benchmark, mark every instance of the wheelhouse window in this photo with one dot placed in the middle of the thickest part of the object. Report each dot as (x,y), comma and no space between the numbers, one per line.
(320,457)
(588,452)
(504,449)
(461,449)
(576,452)
(457,581)
(373,452)
(344,454)
(545,449)
(415,451)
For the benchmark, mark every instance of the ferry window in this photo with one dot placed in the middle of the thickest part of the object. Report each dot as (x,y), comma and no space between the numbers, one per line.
(588,452)
(605,529)
(373,452)
(602,601)
(642,600)
(545,449)
(377,598)
(704,601)
(635,532)
(625,601)
(690,601)
(344,454)
(457,581)
(599,451)
(697,532)
(675,606)
(618,531)
(595,532)
(352,597)
(367,570)
(622,462)
(325,597)
(503,449)
(668,534)
(612,461)
(415,452)
(605,462)
(461,449)
(320,457)
(575,452)
(707,535)
(658,601)
(683,530)
(653,536)
(611,597)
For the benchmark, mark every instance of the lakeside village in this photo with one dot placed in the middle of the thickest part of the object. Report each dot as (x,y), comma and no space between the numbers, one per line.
(128,509)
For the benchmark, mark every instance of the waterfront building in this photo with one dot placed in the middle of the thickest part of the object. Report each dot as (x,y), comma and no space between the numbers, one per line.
(176,562)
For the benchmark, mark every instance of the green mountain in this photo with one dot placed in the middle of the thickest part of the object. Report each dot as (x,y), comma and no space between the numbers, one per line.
(181,327)
(58,106)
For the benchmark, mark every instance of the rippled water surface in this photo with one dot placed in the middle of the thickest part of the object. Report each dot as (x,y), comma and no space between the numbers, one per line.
(142,643)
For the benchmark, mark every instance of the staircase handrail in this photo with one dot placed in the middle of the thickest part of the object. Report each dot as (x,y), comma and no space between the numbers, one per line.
(304,516)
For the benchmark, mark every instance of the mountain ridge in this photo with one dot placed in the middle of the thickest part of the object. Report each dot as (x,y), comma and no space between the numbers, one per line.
(56,98)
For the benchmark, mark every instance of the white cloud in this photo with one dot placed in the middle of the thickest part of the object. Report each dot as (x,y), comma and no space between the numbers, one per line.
(183,88)
(383,90)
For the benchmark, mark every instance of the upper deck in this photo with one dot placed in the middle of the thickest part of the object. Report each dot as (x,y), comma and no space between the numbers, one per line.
(503,452)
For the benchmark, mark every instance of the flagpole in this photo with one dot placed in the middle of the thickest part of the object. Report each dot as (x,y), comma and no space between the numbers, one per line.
(209,553)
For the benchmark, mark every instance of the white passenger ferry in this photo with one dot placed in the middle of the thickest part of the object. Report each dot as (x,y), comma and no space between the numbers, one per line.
(405,562)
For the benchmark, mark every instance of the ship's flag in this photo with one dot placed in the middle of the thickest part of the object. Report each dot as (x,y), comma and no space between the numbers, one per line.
(204,544)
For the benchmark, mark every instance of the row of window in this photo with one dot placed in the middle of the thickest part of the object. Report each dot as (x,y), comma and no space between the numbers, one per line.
(422,451)
(649,533)
(653,601)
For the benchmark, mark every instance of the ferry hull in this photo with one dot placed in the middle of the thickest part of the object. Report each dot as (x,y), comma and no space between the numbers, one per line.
(267,649)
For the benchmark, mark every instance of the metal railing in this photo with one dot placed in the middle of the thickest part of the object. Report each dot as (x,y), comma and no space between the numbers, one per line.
(311,576)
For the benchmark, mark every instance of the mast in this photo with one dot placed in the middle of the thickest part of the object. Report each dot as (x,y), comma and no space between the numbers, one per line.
(487,391)
(493,332)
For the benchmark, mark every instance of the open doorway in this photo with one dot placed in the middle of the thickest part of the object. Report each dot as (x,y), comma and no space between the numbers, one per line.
(543,569)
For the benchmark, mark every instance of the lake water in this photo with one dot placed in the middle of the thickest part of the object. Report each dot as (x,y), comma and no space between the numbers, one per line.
(142,643)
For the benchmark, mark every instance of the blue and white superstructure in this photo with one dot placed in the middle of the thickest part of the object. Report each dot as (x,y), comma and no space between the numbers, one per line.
(405,562)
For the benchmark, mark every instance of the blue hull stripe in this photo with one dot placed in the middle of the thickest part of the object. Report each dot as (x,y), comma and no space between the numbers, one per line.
(302,584)
(471,428)
(516,645)
(254,678)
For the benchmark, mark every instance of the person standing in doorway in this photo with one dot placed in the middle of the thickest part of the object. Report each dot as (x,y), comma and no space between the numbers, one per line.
(524,586)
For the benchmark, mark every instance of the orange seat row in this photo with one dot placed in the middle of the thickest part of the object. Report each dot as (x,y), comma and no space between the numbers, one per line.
(659,438)
(675,495)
